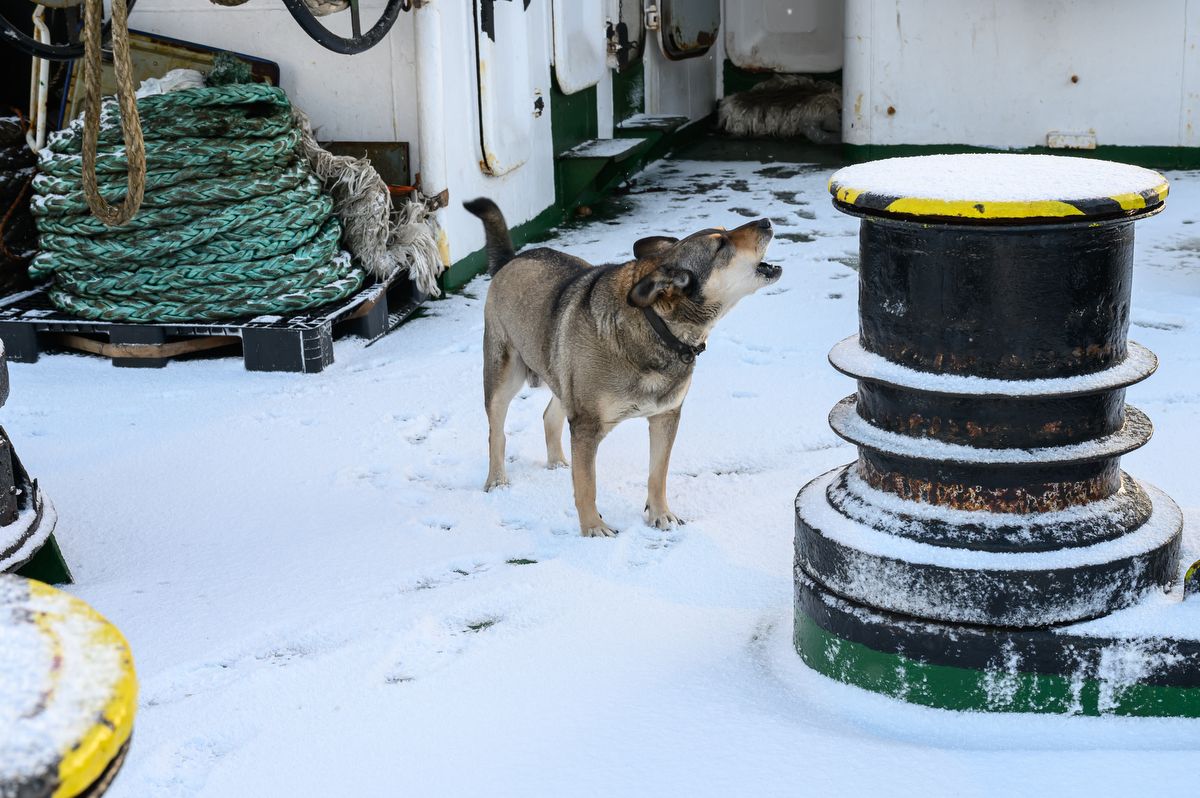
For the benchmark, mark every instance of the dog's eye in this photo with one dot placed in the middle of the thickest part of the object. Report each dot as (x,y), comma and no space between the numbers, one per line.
(724,243)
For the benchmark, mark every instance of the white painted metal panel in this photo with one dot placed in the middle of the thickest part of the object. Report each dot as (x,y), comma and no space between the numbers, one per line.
(580,44)
(1189,111)
(681,88)
(506,94)
(785,35)
(1007,75)
(379,104)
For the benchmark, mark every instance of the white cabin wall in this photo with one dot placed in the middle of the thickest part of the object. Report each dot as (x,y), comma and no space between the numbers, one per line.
(367,97)
(993,74)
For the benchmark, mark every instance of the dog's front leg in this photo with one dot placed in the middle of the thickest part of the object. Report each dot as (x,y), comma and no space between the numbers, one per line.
(554,418)
(586,435)
(662,437)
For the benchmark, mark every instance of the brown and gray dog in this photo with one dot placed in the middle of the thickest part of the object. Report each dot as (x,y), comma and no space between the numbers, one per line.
(612,342)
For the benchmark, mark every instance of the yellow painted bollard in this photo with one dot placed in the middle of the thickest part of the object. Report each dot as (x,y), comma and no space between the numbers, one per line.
(68,694)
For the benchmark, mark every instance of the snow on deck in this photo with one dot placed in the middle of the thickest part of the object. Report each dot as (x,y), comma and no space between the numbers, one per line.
(322,601)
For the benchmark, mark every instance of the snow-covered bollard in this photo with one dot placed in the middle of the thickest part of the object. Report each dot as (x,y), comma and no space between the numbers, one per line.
(68,694)
(986,551)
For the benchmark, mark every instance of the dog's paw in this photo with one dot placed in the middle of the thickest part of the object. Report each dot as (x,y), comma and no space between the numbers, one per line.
(600,530)
(555,465)
(496,482)
(663,520)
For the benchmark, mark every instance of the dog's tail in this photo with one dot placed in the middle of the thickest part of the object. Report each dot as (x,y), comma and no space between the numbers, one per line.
(499,243)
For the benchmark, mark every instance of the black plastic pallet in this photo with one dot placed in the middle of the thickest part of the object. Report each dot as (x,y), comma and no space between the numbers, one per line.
(303,342)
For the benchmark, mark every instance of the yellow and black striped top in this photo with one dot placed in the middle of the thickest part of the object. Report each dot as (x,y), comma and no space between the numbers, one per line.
(999,187)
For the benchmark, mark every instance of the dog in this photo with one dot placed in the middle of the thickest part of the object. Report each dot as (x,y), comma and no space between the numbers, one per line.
(612,342)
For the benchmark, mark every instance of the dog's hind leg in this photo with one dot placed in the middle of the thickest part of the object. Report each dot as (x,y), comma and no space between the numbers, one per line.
(662,438)
(503,374)
(554,417)
(586,435)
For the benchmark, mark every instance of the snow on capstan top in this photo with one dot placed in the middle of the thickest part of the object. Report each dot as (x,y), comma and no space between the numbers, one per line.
(997,177)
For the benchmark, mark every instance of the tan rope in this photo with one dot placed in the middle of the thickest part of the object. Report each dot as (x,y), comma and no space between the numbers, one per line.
(131,127)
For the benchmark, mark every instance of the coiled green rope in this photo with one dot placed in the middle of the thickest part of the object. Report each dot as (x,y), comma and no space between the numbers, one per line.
(233,224)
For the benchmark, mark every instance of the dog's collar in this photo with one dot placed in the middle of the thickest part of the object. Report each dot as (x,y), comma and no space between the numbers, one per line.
(687,353)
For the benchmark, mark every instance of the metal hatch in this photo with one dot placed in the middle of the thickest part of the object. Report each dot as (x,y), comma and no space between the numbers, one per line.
(688,28)
(766,35)
(580,47)
(508,101)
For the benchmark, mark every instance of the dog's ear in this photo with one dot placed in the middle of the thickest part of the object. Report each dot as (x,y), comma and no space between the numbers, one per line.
(646,247)
(658,282)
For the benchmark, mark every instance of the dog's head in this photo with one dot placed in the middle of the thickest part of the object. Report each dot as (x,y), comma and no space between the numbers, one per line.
(713,268)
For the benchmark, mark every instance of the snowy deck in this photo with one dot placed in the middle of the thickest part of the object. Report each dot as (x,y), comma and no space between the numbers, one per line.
(322,601)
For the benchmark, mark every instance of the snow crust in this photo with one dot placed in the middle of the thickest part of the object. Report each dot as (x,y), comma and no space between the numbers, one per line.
(1159,614)
(851,358)
(997,177)
(298,560)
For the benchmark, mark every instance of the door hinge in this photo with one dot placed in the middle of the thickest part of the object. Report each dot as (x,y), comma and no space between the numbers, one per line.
(652,17)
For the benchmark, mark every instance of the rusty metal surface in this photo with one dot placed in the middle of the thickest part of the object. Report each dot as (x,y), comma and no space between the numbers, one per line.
(688,28)
(992,422)
(390,158)
(1033,497)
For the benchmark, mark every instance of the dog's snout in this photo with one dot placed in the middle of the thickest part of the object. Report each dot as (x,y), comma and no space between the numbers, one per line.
(765,224)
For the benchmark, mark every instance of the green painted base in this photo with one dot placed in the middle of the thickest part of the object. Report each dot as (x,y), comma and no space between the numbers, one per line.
(48,565)
(994,670)
(1150,157)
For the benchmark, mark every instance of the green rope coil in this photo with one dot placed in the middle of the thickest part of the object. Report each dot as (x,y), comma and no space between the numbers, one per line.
(208,153)
(234,224)
(199,191)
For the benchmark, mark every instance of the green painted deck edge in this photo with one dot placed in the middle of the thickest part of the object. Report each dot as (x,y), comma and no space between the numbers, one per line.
(47,565)
(467,268)
(471,266)
(1147,156)
(946,687)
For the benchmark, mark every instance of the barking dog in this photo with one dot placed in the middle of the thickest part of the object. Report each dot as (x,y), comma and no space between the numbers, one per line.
(612,342)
